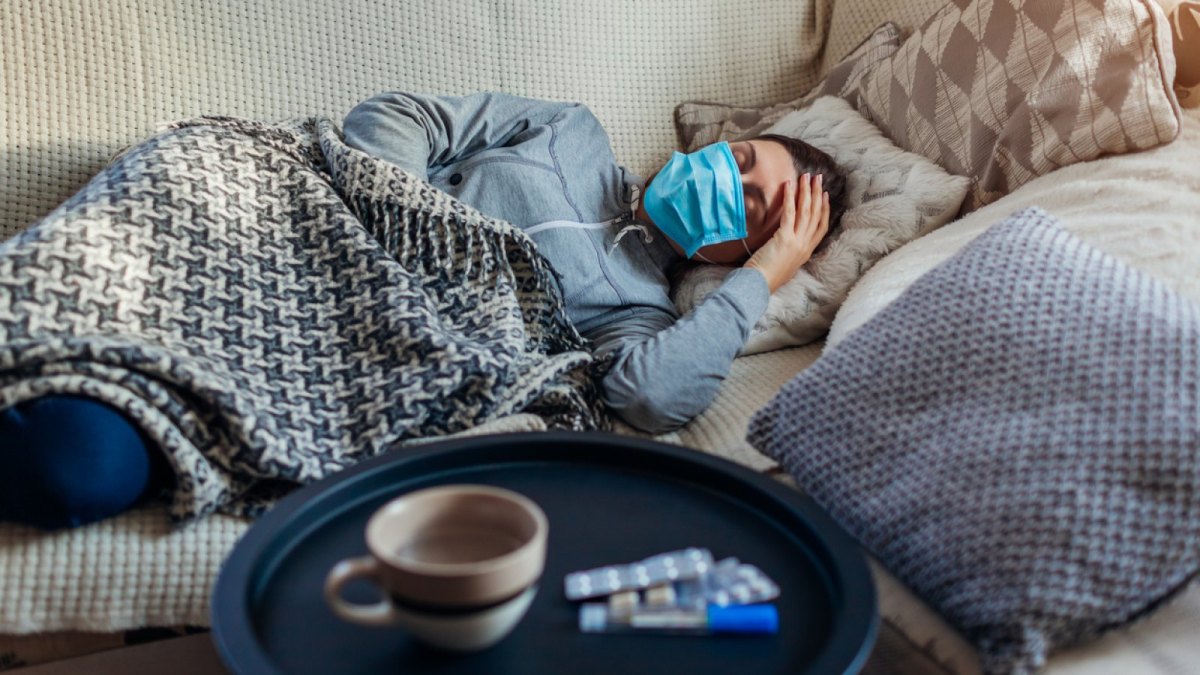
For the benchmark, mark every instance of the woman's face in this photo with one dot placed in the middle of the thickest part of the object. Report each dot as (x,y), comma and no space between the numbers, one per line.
(766,167)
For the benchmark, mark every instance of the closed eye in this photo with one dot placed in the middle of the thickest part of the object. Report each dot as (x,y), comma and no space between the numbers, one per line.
(753,194)
(756,198)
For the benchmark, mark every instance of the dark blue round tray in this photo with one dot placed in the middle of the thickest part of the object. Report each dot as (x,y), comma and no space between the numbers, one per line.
(609,499)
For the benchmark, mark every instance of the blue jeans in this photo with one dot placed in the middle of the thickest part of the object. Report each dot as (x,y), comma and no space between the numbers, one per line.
(69,460)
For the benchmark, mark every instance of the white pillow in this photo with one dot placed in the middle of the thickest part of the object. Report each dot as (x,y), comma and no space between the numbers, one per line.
(892,196)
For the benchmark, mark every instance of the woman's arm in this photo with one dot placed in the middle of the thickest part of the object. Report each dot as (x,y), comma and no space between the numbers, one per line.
(417,131)
(667,371)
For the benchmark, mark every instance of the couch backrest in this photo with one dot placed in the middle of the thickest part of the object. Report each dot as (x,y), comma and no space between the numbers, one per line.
(82,79)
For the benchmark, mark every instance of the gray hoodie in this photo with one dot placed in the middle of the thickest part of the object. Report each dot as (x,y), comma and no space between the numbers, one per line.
(548,168)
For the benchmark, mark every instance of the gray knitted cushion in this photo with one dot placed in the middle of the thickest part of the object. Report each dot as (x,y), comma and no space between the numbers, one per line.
(1016,437)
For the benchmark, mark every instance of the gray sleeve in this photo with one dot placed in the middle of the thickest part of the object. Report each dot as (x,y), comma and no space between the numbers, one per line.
(667,371)
(417,130)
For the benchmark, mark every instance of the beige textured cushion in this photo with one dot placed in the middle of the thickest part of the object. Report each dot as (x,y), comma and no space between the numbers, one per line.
(1004,91)
(700,123)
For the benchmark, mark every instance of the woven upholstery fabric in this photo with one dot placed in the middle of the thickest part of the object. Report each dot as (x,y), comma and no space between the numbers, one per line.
(1004,91)
(1016,437)
(700,123)
(128,571)
(81,80)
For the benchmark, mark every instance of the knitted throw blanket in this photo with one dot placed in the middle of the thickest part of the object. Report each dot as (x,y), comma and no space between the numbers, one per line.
(1016,436)
(271,306)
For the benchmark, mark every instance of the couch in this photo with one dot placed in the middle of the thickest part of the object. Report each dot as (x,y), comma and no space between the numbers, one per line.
(82,80)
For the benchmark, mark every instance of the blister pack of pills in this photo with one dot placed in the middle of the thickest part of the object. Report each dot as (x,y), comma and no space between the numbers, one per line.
(689,563)
(680,578)
(731,582)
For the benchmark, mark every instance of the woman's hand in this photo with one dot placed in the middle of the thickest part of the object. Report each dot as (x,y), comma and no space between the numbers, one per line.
(804,222)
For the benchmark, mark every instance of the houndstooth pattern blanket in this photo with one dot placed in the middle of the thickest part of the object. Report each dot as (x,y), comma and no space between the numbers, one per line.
(271,306)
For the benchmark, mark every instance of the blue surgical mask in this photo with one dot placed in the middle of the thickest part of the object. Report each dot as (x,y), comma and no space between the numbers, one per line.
(696,198)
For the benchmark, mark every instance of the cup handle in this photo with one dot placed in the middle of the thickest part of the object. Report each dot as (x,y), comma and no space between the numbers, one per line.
(381,613)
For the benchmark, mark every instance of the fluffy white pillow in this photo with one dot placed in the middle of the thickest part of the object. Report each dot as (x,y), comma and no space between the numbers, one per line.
(892,196)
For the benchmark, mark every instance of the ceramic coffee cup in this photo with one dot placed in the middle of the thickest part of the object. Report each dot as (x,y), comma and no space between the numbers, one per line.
(459,565)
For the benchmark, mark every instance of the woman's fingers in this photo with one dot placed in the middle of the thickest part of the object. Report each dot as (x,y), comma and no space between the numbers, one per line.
(814,200)
(805,203)
(813,223)
(818,190)
(789,206)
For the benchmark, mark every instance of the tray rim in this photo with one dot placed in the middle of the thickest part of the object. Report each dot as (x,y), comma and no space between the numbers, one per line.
(235,638)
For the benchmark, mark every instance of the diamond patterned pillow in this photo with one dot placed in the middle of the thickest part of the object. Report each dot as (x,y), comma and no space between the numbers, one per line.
(700,123)
(1004,91)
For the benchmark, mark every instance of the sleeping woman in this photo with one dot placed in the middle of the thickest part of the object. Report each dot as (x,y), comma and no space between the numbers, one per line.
(761,205)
